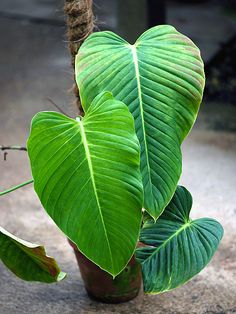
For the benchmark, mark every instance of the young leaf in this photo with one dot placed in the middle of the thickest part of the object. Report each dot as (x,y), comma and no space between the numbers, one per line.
(28,261)
(177,248)
(86,174)
(161,79)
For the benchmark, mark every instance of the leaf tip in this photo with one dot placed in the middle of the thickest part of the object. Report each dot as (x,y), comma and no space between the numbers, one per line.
(61,276)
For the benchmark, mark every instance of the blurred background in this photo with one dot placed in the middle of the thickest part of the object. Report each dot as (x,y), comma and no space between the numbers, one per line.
(35,71)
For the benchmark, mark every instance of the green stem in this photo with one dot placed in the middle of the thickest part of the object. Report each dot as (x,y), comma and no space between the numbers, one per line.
(16,187)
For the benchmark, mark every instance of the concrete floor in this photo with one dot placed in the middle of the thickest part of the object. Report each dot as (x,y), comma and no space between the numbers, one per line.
(39,69)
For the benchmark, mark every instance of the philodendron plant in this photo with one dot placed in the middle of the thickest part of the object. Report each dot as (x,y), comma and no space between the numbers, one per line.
(109,179)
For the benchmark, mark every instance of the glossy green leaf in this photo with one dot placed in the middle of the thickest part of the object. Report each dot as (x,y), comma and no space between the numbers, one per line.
(177,247)
(86,174)
(28,261)
(161,79)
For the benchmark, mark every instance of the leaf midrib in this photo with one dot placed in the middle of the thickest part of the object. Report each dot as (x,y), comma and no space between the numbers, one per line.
(175,234)
(137,74)
(90,166)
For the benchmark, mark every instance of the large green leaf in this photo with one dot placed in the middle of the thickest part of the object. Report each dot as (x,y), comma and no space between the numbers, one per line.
(161,79)
(28,261)
(177,248)
(86,174)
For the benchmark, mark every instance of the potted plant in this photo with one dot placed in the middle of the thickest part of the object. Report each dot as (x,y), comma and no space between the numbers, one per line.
(109,180)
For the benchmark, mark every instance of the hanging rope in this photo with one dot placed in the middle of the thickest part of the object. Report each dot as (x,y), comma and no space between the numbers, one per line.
(80,24)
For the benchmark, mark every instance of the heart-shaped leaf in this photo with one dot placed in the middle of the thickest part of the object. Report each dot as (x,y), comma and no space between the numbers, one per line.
(28,261)
(161,79)
(177,247)
(86,174)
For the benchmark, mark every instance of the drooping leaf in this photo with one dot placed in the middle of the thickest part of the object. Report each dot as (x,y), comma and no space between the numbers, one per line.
(161,79)
(28,261)
(177,247)
(86,174)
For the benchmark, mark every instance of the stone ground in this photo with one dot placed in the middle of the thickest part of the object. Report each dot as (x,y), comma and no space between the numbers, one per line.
(34,67)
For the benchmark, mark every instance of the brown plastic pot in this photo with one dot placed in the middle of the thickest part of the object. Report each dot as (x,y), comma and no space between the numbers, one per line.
(102,287)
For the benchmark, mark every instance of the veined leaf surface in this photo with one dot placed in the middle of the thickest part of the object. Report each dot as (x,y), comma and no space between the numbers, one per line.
(28,261)
(177,247)
(86,174)
(161,79)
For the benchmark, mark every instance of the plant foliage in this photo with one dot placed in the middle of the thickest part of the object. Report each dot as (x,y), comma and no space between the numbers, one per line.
(86,174)
(28,261)
(94,173)
(161,79)
(177,248)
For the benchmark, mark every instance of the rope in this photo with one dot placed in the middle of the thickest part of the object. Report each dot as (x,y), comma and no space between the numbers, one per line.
(80,24)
